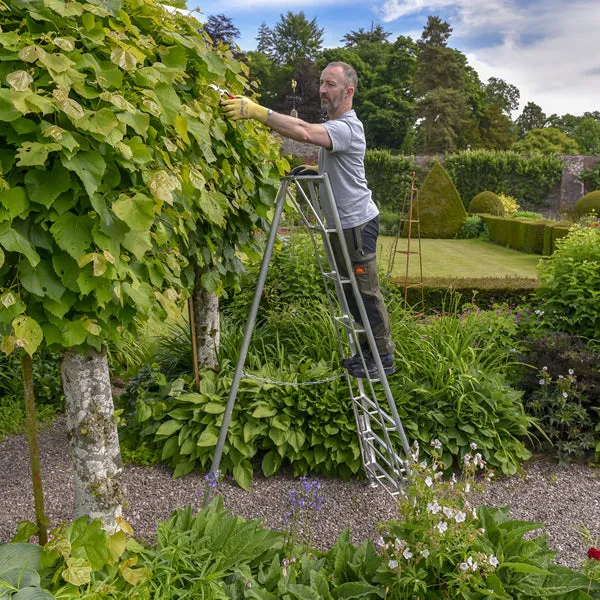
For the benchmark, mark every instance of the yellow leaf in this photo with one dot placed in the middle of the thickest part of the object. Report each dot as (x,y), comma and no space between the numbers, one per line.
(19,80)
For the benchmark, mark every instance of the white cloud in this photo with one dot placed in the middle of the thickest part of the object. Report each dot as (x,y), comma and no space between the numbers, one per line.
(546,47)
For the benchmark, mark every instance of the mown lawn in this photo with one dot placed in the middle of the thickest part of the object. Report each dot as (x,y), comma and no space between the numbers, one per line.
(464,260)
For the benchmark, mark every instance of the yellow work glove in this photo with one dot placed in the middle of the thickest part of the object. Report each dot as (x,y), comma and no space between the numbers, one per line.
(243,108)
(305,170)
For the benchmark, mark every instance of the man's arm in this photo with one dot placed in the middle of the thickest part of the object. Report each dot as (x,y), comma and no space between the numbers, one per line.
(286,125)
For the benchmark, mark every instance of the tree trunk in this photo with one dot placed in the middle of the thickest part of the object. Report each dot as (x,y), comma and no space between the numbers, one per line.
(207,325)
(92,432)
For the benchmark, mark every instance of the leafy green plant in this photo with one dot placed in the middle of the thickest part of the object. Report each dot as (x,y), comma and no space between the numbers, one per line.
(200,555)
(473,227)
(19,572)
(570,282)
(388,222)
(510,204)
(527,214)
(458,390)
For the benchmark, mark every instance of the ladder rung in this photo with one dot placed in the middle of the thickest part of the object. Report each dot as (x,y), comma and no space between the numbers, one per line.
(334,275)
(323,229)
(411,285)
(350,324)
(408,252)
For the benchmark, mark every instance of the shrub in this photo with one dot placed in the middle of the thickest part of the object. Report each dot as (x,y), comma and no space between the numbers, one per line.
(474,227)
(389,178)
(510,204)
(487,202)
(388,222)
(561,380)
(570,282)
(586,204)
(439,208)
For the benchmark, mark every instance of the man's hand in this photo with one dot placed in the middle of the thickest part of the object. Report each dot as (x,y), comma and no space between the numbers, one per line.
(243,108)
(301,170)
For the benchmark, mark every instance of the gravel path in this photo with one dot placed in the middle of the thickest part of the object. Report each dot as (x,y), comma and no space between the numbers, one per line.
(565,497)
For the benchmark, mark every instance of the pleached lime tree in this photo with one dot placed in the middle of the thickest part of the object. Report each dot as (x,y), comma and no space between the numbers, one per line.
(121,184)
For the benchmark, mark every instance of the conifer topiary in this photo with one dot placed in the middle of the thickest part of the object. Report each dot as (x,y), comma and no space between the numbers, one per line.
(439,208)
(588,203)
(487,202)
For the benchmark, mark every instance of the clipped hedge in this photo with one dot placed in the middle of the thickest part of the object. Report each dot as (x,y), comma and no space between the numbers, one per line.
(533,237)
(389,178)
(527,178)
(438,207)
(487,202)
(588,203)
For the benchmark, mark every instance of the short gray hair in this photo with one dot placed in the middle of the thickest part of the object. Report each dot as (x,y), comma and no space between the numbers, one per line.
(350,76)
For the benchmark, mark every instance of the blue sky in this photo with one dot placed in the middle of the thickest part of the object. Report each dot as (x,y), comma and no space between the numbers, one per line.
(547,48)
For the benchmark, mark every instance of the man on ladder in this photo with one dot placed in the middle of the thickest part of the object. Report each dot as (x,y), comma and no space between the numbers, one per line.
(342,143)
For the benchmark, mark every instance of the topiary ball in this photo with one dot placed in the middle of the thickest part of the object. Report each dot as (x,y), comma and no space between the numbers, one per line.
(587,203)
(487,202)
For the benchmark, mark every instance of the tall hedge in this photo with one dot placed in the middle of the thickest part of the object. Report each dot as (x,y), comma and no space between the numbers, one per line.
(527,178)
(389,178)
(439,208)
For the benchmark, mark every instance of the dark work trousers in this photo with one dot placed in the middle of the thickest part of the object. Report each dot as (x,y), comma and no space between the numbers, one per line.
(361,242)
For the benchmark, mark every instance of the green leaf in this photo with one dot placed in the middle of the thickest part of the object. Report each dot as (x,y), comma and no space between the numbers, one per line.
(8,112)
(28,332)
(242,473)
(89,167)
(44,187)
(19,80)
(137,212)
(271,463)
(168,428)
(73,333)
(184,467)
(214,205)
(41,280)
(264,410)
(78,571)
(126,59)
(31,154)
(207,438)
(523,568)
(141,294)
(73,234)
(59,63)
(15,200)
(32,593)
(214,408)
(19,555)
(169,100)
(355,589)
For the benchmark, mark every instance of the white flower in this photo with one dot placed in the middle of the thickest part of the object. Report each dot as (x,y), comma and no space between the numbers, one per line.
(442,526)
(565,395)
(399,544)
(571,372)
(467,460)
(494,561)
(381,542)
(428,481)
(464,566)
(472,565)
(433,507)
(474,512)
(425,553)
(544,369)
(438,475)
(407,554)
(467,487)
(453,479)
(460,516)
(393,564)
(478,460)
(449,512)
(473,446)
(542,382)
(436,444)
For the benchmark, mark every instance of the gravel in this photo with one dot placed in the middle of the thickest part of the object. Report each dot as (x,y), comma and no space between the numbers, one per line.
(564,497)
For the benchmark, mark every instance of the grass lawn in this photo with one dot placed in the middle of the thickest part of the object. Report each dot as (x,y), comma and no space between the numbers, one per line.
(461,261)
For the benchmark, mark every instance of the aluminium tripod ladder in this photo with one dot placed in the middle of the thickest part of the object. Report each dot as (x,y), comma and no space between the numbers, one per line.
(385,452)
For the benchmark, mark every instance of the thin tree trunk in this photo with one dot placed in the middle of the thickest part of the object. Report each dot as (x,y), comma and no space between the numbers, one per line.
(207,325)
(93,436)
(34,449)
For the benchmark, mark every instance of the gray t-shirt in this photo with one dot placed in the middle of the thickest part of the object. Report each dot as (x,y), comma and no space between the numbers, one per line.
(345,166)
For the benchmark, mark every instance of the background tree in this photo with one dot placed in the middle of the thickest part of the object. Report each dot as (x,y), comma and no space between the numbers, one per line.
(292,40)
(221,29)
(376,35)
(439,85)
(502,94)
(548,140)
(532,117)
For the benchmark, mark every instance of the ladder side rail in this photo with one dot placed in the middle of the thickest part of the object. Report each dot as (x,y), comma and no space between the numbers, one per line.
(214,468)
(366,324)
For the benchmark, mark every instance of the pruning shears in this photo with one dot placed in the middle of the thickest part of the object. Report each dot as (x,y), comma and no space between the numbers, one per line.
(221,91)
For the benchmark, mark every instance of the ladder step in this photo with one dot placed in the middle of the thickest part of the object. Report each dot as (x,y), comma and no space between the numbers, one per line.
(349,323)
(408,251)
(322,229)
(334,275)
